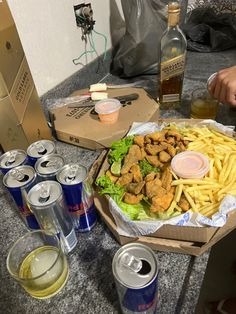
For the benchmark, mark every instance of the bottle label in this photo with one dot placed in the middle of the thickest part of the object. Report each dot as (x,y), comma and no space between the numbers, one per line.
(172,67)
(171,98)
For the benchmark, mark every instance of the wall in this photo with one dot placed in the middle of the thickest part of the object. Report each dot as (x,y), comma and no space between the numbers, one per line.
(51,38)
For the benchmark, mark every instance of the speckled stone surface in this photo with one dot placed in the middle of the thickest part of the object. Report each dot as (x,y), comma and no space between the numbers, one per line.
(90,288)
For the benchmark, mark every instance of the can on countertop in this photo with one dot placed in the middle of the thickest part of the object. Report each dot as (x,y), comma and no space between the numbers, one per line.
(136,270)
(19,181)
(47,203)
(12,159)
(47,166)
(39,149)
(78,195)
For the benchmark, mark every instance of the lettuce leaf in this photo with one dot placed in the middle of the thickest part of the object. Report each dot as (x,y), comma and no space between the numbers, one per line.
(108,187)
(147,168)
(134,212)
(119,149)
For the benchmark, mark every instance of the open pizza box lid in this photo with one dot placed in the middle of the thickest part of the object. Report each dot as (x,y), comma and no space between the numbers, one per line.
(170,238)
(79,126)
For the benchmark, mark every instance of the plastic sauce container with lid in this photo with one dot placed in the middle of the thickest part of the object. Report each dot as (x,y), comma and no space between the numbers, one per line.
(108,110)
(190,165)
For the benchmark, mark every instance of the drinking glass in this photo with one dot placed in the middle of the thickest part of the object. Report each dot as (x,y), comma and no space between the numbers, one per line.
(203,105)
(38,263)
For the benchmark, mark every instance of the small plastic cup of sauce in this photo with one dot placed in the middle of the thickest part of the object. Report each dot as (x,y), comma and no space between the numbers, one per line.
(108,110)
(190,165)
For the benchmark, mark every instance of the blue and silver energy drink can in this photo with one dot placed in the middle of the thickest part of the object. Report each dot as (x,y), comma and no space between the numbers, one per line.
(47,166)
(47,203)
(135,270)
(39,149)
(12,159)
(78,195)
(19,181)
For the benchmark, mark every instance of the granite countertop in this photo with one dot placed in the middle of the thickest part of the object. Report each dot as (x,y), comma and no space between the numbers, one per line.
(90,288)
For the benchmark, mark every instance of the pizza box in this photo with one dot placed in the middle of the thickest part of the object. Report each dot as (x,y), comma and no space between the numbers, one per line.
(81,127)
(169,238)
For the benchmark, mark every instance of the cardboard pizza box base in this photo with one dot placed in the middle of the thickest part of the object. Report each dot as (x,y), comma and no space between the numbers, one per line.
(178,239)
(79,126)
(187,246)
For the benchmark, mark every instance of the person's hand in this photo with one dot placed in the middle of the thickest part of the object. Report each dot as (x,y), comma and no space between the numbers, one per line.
(223,86)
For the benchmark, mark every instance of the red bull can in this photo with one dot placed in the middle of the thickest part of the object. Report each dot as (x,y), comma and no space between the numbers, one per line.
(47,166)
(78,195)
(135,270)
(39,149)
(19,181)
(12,159)
(47,203)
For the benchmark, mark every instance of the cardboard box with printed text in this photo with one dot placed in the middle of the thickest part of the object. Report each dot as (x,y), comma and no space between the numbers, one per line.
(22,120)
(80,126)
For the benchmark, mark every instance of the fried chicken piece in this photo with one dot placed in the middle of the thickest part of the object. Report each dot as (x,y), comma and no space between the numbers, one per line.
(175,134)
(151,176)
(135,188)
(132,199)
(182,147)
(111,176)
(164,156)
(137,175)
(183,203)
(143,153)
(170,140)
(147,140)
(133,156)
(166,179)
(171,150)
(164,145)
(125,179)
(152,187)
(139,140)
(161,203)
(160,191)
(153,149)
(158,136)
(153,160)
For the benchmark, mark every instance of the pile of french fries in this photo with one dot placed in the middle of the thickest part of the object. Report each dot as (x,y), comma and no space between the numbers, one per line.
(205,195)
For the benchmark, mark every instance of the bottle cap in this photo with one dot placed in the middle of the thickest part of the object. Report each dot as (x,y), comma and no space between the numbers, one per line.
(190,165)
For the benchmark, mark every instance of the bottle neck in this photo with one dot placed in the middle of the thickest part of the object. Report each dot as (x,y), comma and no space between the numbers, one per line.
(173,19)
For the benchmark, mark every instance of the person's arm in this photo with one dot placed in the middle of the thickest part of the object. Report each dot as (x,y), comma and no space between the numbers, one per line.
(223,87)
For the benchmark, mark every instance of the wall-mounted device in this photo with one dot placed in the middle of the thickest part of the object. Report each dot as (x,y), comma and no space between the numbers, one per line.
(84,17)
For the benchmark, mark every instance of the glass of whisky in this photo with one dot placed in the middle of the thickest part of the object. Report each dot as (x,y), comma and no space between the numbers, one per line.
(38,263)
(203,105)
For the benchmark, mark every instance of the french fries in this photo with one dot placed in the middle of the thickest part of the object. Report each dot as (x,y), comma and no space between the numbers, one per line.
(204,195)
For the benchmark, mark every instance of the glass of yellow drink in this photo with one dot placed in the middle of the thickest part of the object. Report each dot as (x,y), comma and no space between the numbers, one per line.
(203,105)
(38,263)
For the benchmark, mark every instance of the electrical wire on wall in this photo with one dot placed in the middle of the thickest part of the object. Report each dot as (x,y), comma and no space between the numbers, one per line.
(84,20)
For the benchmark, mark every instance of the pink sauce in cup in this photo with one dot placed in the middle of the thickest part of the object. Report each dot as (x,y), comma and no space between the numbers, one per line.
(190,164)
(108,110)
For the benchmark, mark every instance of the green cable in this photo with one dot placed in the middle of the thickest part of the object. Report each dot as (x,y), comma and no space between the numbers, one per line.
(105,38)
(84,53)
(92,44)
